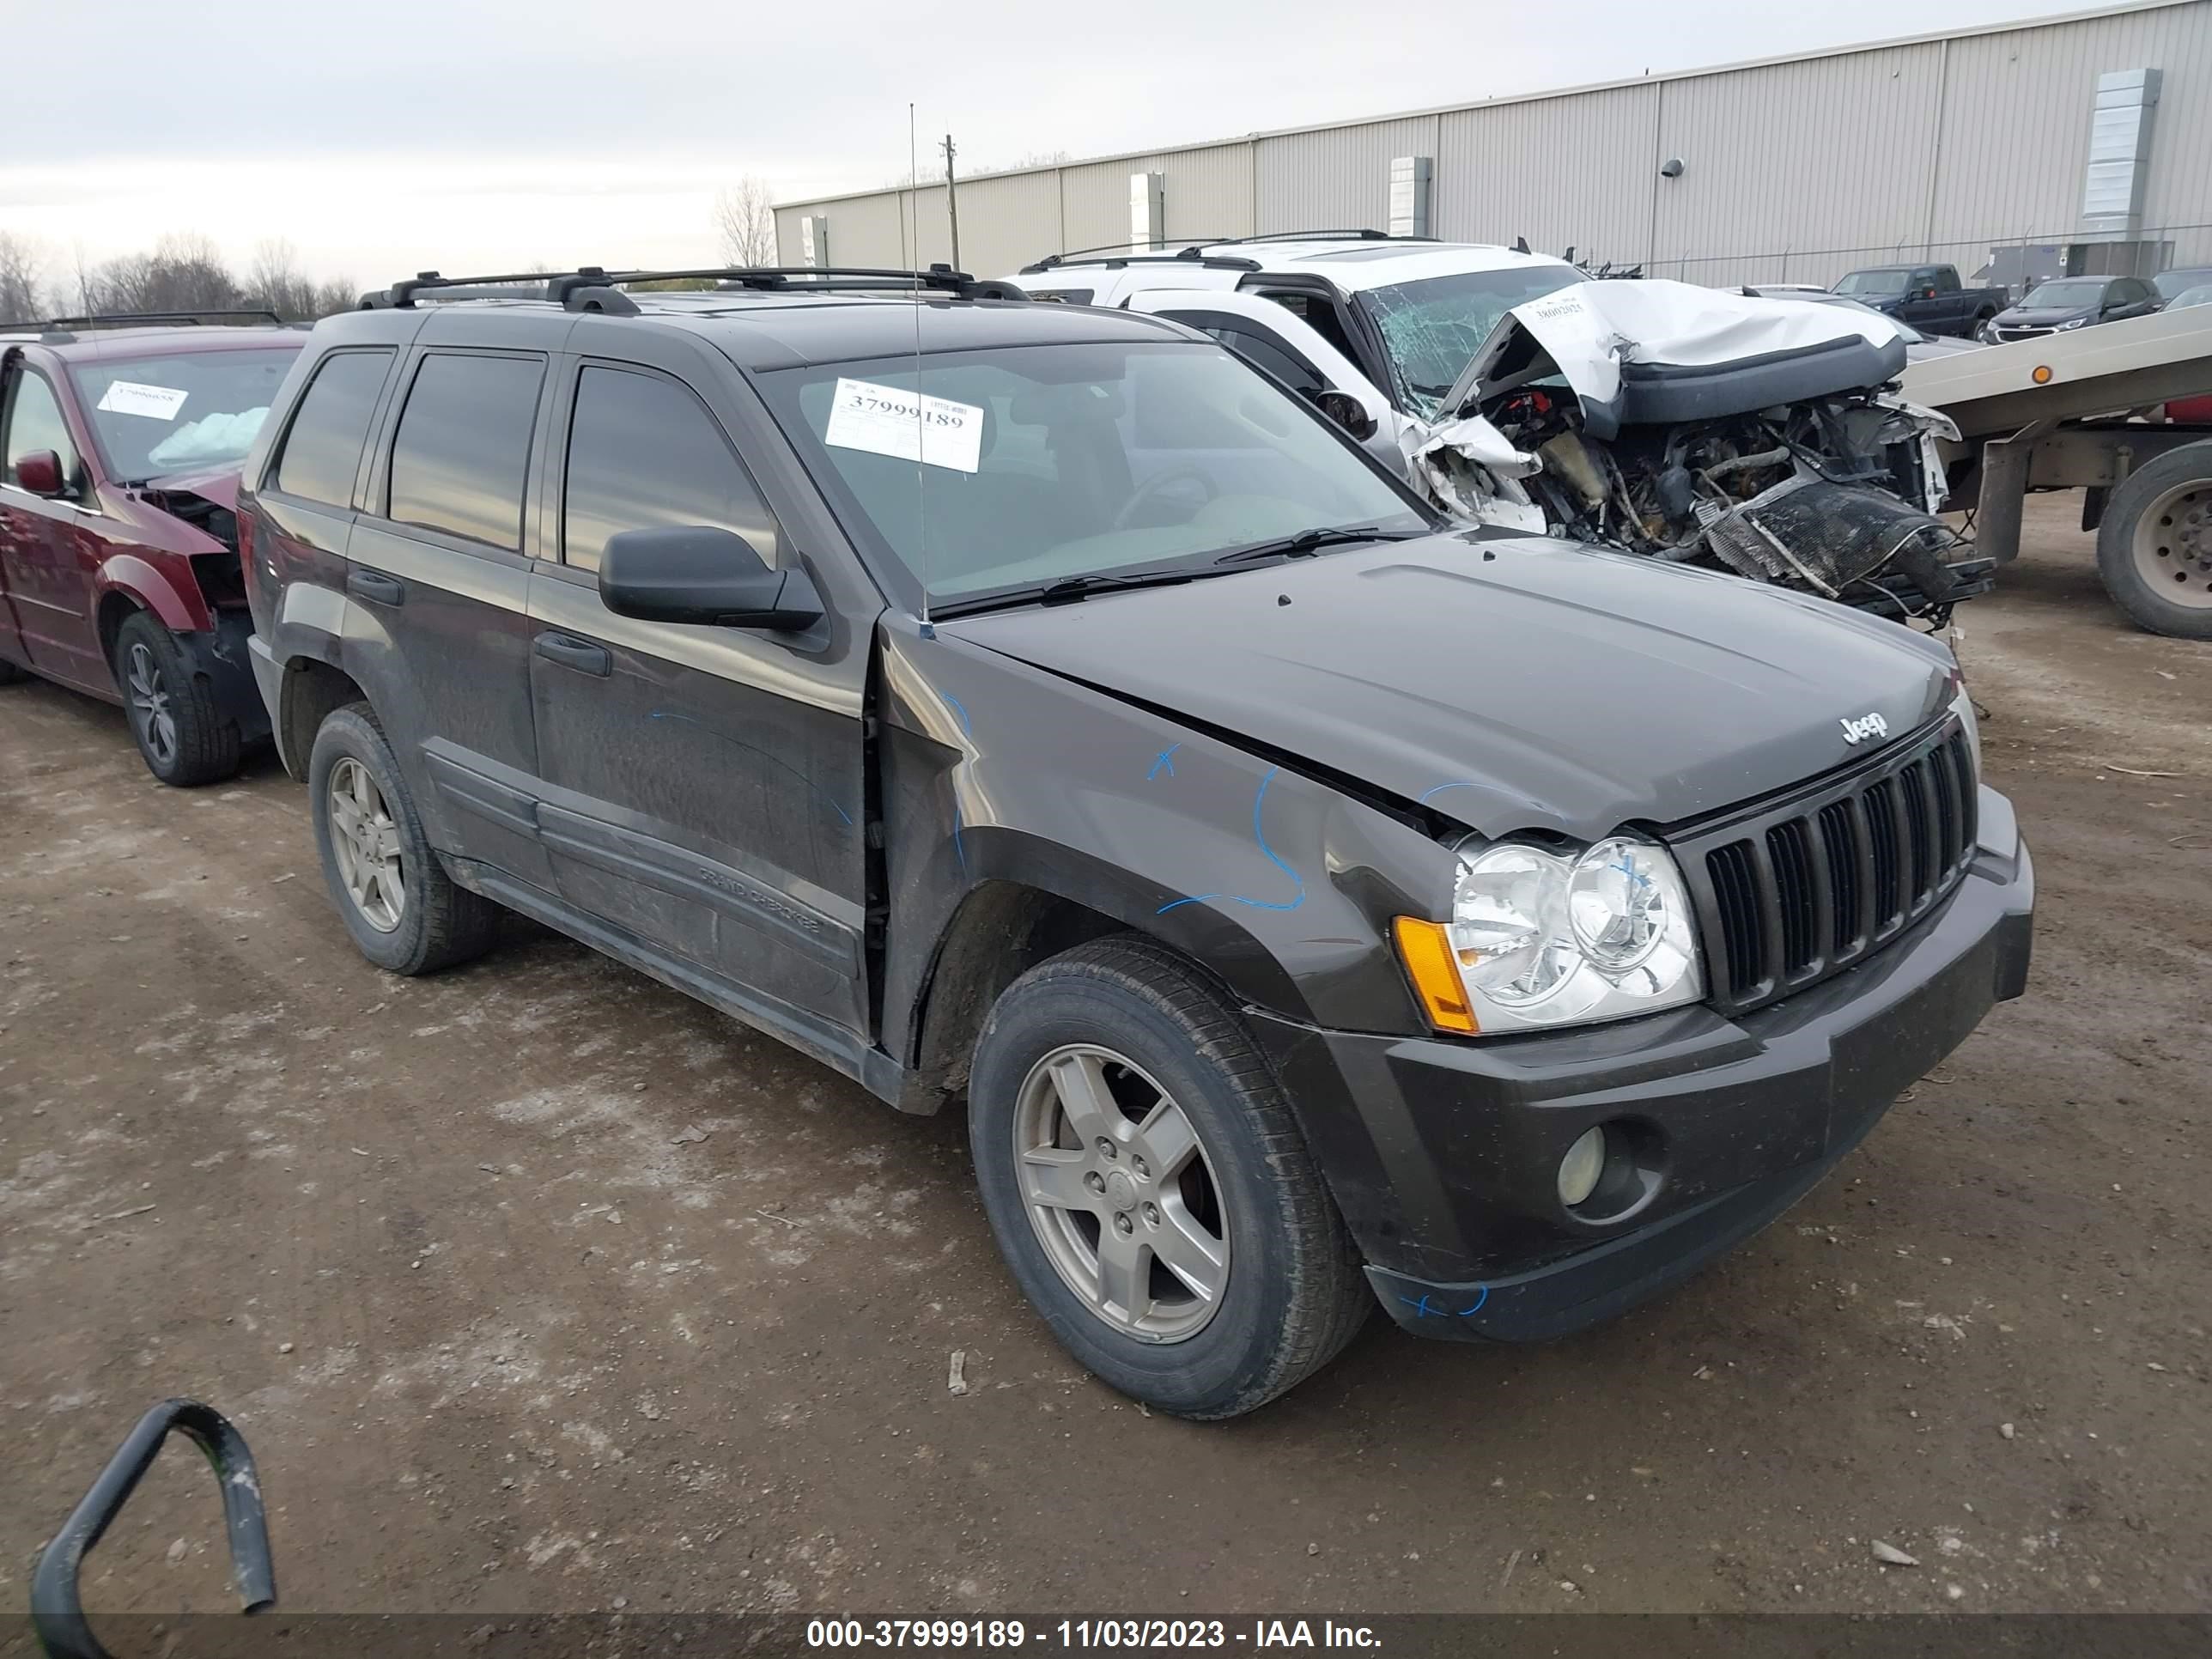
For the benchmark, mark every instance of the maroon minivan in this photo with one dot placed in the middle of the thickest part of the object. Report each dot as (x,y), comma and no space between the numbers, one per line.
(120,439)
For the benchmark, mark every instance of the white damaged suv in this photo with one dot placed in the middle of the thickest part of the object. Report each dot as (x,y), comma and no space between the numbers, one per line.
(1761,436)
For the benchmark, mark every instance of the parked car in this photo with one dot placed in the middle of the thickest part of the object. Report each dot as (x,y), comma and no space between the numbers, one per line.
(1384,333)
(2171,285)
(2069,302)
(118,553)
(1918,347)
(1929,297)
(1042,708)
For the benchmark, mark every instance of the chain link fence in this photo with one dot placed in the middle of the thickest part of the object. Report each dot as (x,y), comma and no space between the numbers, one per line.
(2013,262)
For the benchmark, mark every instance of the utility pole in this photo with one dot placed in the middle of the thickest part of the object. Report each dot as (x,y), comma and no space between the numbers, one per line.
(951,203)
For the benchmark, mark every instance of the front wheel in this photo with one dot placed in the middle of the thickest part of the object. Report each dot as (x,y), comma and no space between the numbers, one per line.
(1149,1188)
(2155,544)
(183,738)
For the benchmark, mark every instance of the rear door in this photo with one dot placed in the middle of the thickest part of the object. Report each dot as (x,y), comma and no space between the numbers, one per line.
(703,788)
(437,581)
(49,548)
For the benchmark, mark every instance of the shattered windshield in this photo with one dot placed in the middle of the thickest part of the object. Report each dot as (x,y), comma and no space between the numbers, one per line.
(180,412)
(1433,328)
(1883,284)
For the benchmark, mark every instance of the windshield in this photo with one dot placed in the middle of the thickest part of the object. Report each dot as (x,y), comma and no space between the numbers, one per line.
(2173,285)
(2192,296)
(1881,283)
(2073,295)
(1046,462)
(1433,328)
(157,415)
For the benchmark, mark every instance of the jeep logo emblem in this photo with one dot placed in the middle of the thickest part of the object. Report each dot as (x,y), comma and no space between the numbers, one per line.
(1865,727)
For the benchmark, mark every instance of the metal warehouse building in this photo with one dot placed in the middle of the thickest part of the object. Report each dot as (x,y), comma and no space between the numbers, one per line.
(2080,143)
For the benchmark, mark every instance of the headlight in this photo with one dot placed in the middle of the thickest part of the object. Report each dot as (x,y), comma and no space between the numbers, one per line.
(2077,323)
(1962,705)
(1540,938)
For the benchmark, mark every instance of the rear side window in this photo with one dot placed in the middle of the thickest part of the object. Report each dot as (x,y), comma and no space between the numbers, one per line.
(463,448)
(322,451)
(644,453)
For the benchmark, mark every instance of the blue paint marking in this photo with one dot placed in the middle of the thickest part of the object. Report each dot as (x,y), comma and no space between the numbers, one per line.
(1627,867)
(1441,787)
(1259,800)
(959,847)
(960,708)
(1422,1309)
(1163,761)
(739,743)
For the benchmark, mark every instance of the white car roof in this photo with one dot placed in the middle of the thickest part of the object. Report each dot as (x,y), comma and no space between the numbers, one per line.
(1352,265)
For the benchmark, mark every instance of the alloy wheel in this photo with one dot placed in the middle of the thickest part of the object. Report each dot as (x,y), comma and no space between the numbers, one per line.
(366,843)
(1118,1187)
(151,714)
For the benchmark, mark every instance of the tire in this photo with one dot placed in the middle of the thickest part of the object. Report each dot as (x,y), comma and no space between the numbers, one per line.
(9,674)
(2155,545)
(1289,1294)
(185,740)
(433,922)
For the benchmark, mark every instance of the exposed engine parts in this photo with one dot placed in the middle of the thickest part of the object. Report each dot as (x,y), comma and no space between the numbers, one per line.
(1819,495)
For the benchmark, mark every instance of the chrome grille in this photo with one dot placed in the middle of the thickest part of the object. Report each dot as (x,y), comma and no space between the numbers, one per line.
(1790,891)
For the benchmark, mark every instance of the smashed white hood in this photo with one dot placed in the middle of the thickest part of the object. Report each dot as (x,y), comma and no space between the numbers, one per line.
(1591,329)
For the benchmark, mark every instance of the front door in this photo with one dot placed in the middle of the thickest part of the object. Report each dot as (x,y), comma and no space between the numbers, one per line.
(702,788)
(48,547)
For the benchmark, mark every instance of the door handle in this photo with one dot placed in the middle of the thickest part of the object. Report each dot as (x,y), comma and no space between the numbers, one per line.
(572,653)
(376,588)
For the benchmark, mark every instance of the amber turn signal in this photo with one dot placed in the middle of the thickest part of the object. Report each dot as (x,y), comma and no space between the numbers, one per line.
(1425,948)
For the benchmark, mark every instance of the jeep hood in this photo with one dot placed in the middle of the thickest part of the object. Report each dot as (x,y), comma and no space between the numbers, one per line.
(1506,682)
(1612,340)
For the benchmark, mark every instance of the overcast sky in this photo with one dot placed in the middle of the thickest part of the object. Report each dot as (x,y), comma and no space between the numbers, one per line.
(490,135)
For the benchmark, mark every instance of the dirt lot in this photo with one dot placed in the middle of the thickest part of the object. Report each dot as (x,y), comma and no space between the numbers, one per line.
(508,1335)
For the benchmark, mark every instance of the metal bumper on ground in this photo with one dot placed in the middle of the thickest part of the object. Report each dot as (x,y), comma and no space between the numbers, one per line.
(1444,1155)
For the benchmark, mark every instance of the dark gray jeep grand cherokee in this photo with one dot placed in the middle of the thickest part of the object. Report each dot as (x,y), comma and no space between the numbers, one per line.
(1314,903)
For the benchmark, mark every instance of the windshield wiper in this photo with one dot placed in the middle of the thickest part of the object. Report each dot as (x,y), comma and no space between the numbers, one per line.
(1309,542)
(1070,589)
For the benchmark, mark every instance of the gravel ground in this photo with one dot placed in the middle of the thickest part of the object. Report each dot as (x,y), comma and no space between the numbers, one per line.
(536,1284)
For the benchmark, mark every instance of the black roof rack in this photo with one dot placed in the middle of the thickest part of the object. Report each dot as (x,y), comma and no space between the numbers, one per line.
(1193,251)
(593,287)
(242,317)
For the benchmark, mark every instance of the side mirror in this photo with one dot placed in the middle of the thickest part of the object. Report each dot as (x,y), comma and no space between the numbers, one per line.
(1348,412)
(40,472)
(698,573)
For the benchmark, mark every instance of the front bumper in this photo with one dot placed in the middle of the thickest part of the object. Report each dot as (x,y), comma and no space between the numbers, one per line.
(1442,1154)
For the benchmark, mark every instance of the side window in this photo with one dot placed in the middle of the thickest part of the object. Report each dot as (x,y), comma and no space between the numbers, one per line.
(35,423)
(644,453)
(1068,296)
(1257,346)
(1947,279)
(1319,314)
(2127,291)
(322,451)
(463,448)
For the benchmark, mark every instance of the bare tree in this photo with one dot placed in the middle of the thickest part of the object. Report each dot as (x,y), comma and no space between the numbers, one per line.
(20,269)
(744,223)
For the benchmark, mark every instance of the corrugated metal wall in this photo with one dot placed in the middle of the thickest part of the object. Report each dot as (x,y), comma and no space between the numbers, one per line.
(1562,172)
(1792,172)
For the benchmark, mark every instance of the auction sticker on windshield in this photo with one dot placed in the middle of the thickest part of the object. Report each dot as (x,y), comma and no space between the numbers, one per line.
(886,421)
(155,403)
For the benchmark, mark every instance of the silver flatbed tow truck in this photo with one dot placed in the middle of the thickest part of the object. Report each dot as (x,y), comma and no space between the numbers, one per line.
(2090,410)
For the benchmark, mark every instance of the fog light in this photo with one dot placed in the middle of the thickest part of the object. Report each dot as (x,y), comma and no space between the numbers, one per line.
(1580,1169)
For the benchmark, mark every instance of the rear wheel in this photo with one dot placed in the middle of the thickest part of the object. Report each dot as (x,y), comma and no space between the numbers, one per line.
(184,738)
(1149,1188)
(2155,544)
(405,913)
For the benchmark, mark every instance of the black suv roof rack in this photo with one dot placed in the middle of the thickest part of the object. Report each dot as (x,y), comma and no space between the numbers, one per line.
(593,287)
(1116,255)
(241,317)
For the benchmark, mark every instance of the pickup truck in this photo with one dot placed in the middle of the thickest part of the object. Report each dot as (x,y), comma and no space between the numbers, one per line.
(1927,296)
